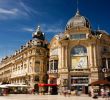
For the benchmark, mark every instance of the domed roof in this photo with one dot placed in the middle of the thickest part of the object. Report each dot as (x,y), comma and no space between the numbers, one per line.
(78,21)
(38,34)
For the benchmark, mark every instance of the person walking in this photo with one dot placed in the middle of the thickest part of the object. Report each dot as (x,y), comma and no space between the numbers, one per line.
(69,92)
(102,92)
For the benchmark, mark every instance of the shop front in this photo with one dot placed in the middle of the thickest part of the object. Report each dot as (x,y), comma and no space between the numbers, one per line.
(79,84)
(52,88)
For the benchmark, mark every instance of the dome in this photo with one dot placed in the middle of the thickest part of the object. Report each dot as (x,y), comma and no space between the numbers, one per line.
(38,34)
(78,21)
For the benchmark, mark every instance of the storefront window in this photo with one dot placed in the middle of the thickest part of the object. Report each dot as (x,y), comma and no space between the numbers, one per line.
(79,80)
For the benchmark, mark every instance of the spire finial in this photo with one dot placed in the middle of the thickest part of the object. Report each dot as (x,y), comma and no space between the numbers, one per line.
(77,13)
(98,27)
(38,28)
(77,6)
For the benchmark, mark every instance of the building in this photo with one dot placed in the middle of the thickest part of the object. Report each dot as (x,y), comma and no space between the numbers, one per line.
(76,57)
(29,64)
(79,55)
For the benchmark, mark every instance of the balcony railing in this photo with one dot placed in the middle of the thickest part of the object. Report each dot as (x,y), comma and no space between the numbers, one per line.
(52,71)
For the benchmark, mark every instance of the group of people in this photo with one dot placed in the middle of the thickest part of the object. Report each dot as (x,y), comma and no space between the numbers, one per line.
(67,92)
(4,92)
(103,92)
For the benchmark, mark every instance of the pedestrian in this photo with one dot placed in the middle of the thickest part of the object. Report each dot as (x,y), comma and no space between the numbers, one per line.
(65,92)
(92,92)
(102,92)
(33,91)
(107,92)
(69,92)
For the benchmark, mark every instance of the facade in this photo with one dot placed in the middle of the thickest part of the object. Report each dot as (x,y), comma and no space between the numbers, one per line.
(76,57)
(79,55)
(29,64)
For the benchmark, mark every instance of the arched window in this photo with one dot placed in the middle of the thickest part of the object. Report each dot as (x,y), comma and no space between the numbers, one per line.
(78,50)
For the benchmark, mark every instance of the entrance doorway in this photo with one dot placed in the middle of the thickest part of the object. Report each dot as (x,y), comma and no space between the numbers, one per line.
(36,88)
(86,89)
(54,90)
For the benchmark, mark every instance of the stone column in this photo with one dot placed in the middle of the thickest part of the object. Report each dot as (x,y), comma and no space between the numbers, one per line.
(49,86)
(66,57)
(94,72)
(63,57)
(91,55)
(53,66)
(95,55)
(28,65)
(106,63)
(49,67)
(60,57)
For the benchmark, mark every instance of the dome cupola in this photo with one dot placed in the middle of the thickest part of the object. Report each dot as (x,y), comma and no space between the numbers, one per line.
(38,34)
(78,21)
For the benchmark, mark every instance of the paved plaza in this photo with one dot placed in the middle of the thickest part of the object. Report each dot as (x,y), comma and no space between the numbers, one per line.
(46,97)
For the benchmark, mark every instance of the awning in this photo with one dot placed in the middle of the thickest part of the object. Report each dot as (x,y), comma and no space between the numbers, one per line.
(100,82)
(42,84)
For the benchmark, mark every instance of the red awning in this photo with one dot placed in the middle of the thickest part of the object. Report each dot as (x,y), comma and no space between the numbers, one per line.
(100,82)
(41,84)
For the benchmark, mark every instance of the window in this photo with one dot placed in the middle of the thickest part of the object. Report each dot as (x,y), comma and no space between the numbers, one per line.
(55,64)
(103,62)
(108,62)
(51,65)
(78,50)
(105,49)
(78,36)
(54,52)
(37,66)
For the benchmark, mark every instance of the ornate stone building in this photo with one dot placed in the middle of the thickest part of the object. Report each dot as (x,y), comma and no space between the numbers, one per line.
(29,64)
(79,55)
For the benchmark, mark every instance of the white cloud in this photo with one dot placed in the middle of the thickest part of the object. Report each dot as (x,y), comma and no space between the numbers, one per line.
(9,11)
(15,9)
(28,9)
(55,28)
(0,59)
(28,29)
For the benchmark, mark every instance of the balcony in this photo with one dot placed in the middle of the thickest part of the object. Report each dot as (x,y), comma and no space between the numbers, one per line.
(52,71)
(80,71)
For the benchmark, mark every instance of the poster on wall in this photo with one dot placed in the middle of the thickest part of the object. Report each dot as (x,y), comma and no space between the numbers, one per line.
(79,62)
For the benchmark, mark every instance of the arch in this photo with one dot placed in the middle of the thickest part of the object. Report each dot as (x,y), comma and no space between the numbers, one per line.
(78,50)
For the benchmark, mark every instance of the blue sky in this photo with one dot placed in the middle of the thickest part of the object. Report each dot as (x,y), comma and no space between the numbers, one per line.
(19,19)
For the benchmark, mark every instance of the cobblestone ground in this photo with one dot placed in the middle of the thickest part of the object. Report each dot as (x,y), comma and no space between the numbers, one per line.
(45,97)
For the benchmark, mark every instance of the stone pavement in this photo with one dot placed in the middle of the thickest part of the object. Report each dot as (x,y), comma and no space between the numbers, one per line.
(46,97)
